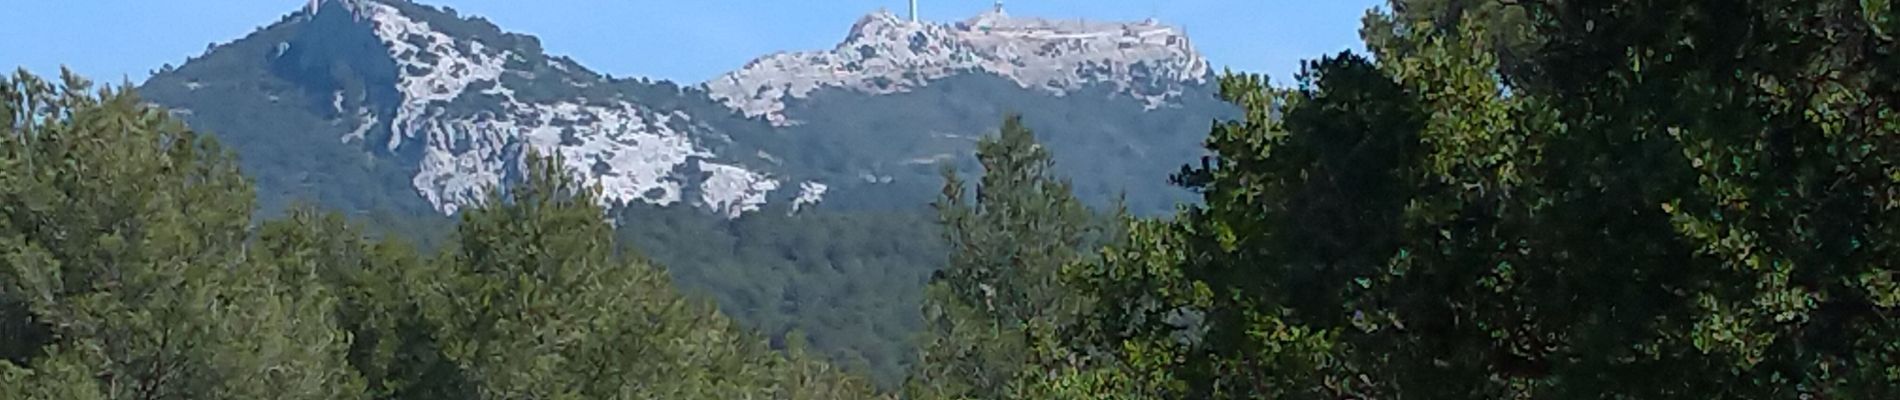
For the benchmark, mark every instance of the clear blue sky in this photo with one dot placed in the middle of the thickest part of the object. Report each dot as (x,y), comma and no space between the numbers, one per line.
(681,40)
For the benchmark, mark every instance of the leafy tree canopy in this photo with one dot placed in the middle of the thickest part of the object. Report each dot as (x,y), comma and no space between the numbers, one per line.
(1658,199)
(130,268)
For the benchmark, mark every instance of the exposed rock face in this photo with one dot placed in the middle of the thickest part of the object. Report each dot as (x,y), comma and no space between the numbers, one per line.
(630,151)
(885,54)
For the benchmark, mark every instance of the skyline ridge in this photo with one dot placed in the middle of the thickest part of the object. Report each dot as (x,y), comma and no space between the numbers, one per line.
(700,45)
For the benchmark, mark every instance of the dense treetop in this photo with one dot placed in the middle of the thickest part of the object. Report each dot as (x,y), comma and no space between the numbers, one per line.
(1540,199)
(132,270)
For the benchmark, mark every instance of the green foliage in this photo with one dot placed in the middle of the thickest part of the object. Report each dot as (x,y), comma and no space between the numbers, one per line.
(393,345)
(533,303)
(123,235)
(1007,244)
(1023,225)
(129,269)
(849,282)
(1242,295)
(1656,200)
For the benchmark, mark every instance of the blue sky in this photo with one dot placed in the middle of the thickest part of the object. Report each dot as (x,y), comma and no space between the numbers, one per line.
(682,40)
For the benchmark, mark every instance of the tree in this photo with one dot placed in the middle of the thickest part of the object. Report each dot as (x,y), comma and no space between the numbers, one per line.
(535,304)
(1007,246)
(393,346)
(1240,298)
(850,282)
(122,235)
(1663,199)
(129,269)
(1510,34)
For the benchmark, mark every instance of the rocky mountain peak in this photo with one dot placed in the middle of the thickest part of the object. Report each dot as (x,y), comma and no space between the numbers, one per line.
(884,54)
(471,101)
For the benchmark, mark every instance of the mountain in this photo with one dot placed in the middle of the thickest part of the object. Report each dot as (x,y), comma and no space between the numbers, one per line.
(455,104)
(378,93)
(793,190)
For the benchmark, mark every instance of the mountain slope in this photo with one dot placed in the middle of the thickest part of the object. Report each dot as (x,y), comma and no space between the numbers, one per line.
(456,104)
(799,204)
(1122,105)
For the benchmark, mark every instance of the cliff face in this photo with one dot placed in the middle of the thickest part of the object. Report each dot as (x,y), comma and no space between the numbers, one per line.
(884,54)
(462,103)
(630,151)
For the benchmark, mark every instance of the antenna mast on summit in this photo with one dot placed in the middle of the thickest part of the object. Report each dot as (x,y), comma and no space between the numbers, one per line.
(913,10)
(999,6)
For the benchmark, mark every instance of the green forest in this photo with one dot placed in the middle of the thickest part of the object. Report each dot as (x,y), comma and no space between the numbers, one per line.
(1534,199)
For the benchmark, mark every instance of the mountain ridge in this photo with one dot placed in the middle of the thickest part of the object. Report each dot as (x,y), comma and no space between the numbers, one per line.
(456,103)
(885,54)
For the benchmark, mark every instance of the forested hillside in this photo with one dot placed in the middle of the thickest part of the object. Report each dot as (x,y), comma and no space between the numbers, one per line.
(394,112)
(133,270)
(849,283)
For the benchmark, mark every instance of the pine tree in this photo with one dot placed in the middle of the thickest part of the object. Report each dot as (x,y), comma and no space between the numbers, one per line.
(1008,245)
(1663,199)
(123,235)
(129,270)
(393,346)
(533,303)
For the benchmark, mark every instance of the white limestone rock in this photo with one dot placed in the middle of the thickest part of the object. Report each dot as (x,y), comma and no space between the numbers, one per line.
(809,194)
(732,191)
(885,54)
(627,150)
